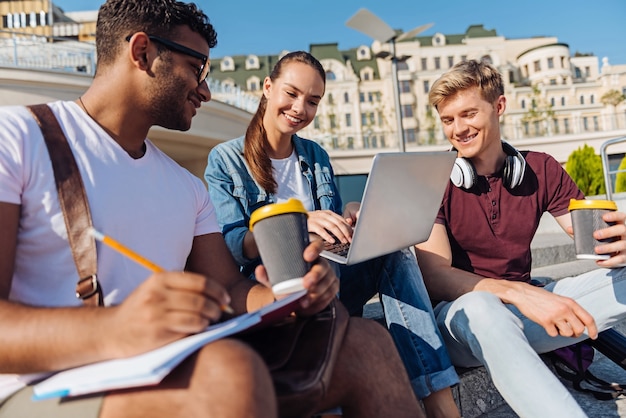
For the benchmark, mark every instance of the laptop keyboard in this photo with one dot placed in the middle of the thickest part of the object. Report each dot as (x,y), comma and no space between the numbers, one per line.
(337,247)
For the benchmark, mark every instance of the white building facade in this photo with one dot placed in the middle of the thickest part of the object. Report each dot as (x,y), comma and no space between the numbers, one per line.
(550,90)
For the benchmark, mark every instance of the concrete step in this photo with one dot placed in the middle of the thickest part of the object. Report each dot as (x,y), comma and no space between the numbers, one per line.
(552,248)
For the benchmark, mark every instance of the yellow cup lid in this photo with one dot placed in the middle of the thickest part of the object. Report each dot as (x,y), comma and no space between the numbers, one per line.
(592,204)
(290,206)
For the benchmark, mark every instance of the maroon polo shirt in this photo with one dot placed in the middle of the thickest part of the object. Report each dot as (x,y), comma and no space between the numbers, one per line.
(491,227)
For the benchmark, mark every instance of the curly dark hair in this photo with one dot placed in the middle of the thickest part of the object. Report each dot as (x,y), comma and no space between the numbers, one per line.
(118,19)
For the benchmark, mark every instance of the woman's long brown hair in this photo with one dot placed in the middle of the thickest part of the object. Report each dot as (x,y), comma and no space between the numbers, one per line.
(254,150)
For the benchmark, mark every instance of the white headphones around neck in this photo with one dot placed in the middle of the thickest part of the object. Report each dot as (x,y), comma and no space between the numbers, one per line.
(464,174)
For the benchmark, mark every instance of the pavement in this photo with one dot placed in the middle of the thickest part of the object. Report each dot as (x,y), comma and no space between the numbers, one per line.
(553,259)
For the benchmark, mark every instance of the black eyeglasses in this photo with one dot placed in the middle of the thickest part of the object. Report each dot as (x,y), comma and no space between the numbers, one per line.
(203,73)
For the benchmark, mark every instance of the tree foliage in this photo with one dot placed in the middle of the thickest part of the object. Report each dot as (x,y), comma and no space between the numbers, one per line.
(620,179)
(613,98)
(585,167)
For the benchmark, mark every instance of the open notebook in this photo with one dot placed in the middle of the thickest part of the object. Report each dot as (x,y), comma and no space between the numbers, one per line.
(400,202)
(151,367)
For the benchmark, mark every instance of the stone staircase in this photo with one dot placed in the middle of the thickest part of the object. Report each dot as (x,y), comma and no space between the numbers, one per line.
(553,258)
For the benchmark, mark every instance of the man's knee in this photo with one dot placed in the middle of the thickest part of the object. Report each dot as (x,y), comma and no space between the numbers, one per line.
(476,311)
(229,360)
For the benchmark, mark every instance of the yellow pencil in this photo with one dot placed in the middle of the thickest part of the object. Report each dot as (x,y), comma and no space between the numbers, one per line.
(122,249)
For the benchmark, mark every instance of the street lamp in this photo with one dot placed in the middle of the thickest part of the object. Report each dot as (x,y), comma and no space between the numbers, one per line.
(371,25)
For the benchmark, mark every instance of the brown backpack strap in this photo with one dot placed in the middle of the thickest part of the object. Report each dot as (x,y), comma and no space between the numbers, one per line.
(73,201)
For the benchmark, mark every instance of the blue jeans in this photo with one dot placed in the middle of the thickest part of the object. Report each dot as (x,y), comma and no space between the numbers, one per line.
(479,329)
(408,313)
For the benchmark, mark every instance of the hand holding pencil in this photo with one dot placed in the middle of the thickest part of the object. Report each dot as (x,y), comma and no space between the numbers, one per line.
(122,249)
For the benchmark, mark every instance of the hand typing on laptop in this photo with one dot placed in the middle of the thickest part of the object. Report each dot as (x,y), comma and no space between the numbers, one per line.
(332,227)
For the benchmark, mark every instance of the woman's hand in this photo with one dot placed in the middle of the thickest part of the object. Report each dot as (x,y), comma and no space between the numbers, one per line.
(330,226)
(321,282)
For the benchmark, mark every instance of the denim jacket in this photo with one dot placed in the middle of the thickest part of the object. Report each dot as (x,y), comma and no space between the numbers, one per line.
(236,194)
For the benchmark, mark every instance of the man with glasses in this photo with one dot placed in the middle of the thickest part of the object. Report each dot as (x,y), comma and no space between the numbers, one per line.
(152,65)
(203,69)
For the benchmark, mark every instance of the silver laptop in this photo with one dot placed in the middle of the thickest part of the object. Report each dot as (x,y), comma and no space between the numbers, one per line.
(401,199)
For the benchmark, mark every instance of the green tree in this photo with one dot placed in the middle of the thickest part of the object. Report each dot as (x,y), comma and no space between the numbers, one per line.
(620,179)
(613,98)
(539,111)
(585,167)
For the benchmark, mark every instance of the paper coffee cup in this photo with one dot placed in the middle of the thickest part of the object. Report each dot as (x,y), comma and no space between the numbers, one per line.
(587,218)
(281,235)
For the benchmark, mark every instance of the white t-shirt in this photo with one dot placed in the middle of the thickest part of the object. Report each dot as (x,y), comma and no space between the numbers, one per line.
(291,182)
(151,204)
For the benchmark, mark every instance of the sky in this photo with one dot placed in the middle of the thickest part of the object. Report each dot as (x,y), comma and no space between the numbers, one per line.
(271,26)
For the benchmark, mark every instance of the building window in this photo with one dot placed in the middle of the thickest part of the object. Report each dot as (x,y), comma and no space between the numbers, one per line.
(330,76)
(523,104)
(537,65)
(402,65)
(553,81)
(587,72)
(555,124)
(552,101)
(361,97)
(591,99)
(585,123)
(407,111)
(450,62)
(437,63)
(525,125)
(372,120)
(370,96)
(363,119)
(550,63)
(566,125)
(563,101)
(363,54)
(227,64)
(252,62)
(424,64)
(582,100)
(346,97)
(426,86)
(380,118)
(350,142)
(409,136)
(331,99)
(333,121)
(316,122)
(463,57)
(596,126)
(405,86)
(348,120)
(367,74)
(253,85)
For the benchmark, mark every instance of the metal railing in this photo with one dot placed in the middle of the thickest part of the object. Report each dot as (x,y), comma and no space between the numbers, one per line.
(608,183)
(18,50)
